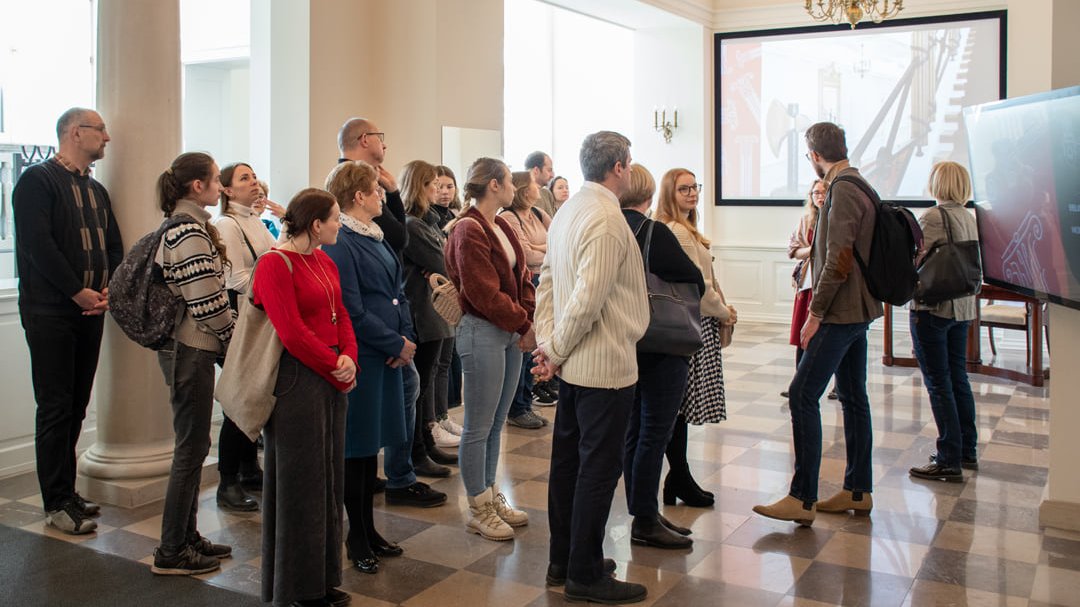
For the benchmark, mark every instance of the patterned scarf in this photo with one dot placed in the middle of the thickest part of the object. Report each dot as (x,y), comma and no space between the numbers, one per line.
(371,230)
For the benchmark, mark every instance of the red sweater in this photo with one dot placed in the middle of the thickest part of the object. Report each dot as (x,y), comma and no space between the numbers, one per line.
(299,309)
(478,266)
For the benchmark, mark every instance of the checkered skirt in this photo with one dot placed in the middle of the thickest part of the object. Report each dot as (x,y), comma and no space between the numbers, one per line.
(704,401)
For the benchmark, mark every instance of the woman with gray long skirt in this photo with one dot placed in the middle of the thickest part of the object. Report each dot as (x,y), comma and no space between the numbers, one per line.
(303,494)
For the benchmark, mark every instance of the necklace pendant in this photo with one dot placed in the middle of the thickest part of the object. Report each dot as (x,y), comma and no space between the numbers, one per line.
(333,318)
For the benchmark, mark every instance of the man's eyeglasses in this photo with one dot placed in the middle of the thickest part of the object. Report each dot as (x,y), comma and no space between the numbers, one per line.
(97,127)
(686,189)
(381,136)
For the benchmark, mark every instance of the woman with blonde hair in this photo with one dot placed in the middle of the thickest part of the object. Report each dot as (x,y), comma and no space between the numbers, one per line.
(704,400)
(423,256)
(939,333)
(487,264)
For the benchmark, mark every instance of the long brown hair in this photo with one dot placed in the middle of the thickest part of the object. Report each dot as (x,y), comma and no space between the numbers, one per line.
(667,208)
(226,182)
(414,176)
(175,183)
(445,171)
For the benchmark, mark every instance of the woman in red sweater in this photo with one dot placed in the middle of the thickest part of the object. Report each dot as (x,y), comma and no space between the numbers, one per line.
(303,499)
(487,264)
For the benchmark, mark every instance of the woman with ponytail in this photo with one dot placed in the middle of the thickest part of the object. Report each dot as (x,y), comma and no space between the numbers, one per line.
(192,259)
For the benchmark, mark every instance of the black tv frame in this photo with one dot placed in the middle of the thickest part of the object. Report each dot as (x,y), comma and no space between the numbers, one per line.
(1072,91)
(718,200)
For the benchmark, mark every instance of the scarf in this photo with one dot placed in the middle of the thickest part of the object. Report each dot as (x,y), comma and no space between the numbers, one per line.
(371,230)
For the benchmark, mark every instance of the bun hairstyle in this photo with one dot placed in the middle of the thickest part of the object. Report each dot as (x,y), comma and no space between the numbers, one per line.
(175,183)
(226,181)
(480,175)
(305,207)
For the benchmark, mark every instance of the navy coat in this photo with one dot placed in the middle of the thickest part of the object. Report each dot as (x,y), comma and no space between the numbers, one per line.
(372,287)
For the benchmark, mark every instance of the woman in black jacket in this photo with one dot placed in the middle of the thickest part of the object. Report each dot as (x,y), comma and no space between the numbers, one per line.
(661,380)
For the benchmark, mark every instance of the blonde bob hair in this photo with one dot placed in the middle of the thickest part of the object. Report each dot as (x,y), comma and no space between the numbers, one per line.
(348,178)
(950,182)
(642,187)
(667,208)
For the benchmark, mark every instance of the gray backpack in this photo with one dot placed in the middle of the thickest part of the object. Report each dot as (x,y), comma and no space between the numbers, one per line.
(139,299)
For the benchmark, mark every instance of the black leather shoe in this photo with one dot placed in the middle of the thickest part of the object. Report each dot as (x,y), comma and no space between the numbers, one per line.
(367,565)
(231,495)
(426,467)
(967,463)
(387,549)
(439,456)
(337,598)
(556,574)
(934,472)
(672,526)
(648,531)
(417,494)
(607,591)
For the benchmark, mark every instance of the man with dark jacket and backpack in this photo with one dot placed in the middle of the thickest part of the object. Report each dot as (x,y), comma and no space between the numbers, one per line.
(67,246)
(833,337)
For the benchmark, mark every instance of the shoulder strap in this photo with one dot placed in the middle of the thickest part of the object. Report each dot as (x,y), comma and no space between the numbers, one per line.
(251,288)
(246,241)
(948,225)
(648,240)
(536,212)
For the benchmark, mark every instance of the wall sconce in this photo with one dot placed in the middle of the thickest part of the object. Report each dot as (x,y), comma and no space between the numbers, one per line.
(662,125)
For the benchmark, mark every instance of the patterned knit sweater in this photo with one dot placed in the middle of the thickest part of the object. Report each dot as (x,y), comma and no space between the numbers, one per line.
(193,270)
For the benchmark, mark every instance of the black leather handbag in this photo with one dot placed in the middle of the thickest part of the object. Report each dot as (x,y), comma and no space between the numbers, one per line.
(950,270)
(674,312)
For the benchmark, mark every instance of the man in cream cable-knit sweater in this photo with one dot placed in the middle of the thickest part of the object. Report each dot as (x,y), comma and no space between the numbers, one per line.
(591,310)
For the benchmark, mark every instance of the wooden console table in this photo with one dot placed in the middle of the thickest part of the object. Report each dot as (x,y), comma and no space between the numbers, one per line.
(1034,374)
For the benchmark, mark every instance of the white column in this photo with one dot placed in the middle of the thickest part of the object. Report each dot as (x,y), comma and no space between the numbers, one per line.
(139,96)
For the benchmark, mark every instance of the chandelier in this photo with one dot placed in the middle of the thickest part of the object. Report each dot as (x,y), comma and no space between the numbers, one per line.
(853,11)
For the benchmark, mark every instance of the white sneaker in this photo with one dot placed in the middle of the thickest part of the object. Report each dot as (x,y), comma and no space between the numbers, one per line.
(452,427)
(485,521)
(512,517)
(444,439)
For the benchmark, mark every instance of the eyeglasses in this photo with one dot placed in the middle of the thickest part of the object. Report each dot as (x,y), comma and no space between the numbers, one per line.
(381,136)
(97,127)
(686,189)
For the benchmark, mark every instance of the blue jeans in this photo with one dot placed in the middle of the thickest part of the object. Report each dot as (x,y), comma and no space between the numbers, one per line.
(838,349)
(490,363)
(941,348)
(660,389)
(397,460)
(523,397)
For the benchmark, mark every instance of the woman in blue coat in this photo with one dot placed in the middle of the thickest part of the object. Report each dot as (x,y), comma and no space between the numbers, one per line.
(372,288)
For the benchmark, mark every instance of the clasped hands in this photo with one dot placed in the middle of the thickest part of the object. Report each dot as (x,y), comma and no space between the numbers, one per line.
(92,302)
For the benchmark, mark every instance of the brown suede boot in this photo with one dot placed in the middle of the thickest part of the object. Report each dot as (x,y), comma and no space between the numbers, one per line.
(861,503)
(789,509)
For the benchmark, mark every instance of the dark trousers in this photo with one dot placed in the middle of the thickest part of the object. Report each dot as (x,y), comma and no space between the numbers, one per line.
(359,499)
(454,380)
(427,363)
(838,349)
(941,349)
(523,398)
(234,448)
(63,360)
(441,395)
(189,372)
(304,487)
(586,462)
(659,393)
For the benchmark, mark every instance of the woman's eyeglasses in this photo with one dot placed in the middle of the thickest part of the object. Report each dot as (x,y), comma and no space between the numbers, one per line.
(686,189)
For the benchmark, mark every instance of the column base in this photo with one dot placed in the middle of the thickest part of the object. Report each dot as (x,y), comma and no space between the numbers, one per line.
(135,492)
(1060,515)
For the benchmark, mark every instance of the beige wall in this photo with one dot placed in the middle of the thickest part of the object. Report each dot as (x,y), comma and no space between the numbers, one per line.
(419,65)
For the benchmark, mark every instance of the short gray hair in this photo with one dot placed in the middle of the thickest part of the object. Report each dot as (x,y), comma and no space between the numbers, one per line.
(600,152)
(68,119)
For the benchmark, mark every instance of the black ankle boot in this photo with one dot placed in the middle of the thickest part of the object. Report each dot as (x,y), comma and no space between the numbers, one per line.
(231,495)
(679,484)
(251,476)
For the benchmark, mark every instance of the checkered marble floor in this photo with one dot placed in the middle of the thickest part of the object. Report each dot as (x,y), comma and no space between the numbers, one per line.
(926,543)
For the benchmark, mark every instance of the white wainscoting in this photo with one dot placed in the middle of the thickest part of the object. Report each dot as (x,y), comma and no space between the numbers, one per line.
(756,280)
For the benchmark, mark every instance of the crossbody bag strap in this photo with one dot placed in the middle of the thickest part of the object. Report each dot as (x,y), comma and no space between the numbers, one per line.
(648,240)
(948,225)
(246,241)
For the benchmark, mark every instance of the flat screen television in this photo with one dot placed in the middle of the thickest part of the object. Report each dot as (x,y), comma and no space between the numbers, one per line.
(1025,168)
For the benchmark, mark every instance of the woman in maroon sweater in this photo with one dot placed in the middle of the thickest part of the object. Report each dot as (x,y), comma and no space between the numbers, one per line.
(303,496)
(487,264)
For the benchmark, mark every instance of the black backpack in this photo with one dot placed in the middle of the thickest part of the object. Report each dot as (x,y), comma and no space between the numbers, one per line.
(139,299)
(890,273)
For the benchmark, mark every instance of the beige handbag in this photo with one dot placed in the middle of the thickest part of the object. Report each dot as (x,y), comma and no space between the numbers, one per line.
(727,332)
(444,298)
(246,386)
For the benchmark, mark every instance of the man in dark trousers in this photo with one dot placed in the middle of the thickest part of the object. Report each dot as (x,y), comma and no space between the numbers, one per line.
(834,339)
(67,246)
